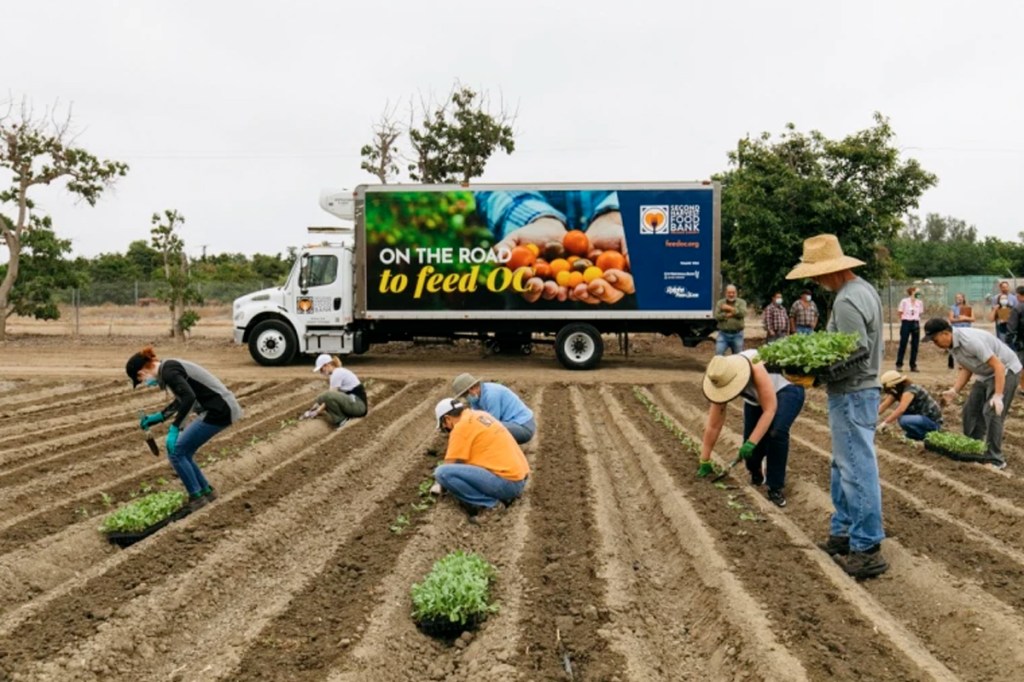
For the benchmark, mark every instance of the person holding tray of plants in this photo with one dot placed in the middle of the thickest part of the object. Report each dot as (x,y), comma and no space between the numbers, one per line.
(856,531)
(996,369)
(770,406)
(194,389)
(916,411)
(483,464)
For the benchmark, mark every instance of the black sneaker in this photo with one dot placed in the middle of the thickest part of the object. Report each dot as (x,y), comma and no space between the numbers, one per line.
(197,502)
(776,496)
(863,565)
(836,545)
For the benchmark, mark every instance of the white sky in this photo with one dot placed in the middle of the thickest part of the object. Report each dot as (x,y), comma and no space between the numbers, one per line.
(237,114)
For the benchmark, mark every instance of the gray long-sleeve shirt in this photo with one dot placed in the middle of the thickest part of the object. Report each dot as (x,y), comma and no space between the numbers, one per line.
(858,310)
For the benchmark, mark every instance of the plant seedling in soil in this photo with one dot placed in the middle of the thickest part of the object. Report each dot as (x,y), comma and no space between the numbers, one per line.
(750,516)
(107,500)
(456,593)
(400,524)
(144,512)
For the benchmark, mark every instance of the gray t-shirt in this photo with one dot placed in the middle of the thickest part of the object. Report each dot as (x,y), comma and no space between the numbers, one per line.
(858,310)
(973,347)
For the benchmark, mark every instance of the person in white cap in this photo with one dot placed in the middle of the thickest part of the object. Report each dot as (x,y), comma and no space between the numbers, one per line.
(498,401)
(856,531)
(346,397)
(483,464)
(770,406)
(916,411)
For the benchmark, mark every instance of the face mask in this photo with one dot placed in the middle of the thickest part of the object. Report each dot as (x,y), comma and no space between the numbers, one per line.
(151,382)
(807,298)
(778,301)
(472,400)
(917,296)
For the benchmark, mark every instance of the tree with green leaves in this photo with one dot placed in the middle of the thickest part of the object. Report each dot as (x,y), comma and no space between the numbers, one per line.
(180,289)
(40,151)
(452,141)
(44,271)
(780,191)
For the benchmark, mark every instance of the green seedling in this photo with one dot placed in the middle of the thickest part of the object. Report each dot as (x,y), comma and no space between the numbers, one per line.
(955,442)
(721,486)
(809,352)
(456,590)
(749,516)
(689,444)
(107,500)
(400,524)
(144,512)
(734,504)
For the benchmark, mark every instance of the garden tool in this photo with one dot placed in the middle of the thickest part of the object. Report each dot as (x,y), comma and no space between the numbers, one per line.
(719,477)
(150,439)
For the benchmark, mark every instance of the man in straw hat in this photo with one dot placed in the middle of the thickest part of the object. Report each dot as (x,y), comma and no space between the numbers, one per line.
(499,402)
(997,371)
(856,530)
(770,405)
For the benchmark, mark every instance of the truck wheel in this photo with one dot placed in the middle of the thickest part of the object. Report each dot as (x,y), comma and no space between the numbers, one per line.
(579,346)
(272,342)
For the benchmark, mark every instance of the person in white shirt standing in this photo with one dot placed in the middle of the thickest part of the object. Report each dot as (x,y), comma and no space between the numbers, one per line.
(346,397)
(911,308)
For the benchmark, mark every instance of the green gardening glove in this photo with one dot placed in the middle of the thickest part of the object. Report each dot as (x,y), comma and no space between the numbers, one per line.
(747,449)
(705,469)
(151,420)
(172,439)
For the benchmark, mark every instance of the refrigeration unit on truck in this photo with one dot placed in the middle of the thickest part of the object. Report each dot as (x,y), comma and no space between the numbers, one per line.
(510,265)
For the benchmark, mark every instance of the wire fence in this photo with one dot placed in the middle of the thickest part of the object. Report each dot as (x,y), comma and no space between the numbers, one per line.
(144,293)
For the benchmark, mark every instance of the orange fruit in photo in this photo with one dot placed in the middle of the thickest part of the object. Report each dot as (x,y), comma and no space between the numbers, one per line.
(611,260)
(575,279)
(521,257)
(562,278)
(543,269)
(559,265)
(592,273)
(576,243)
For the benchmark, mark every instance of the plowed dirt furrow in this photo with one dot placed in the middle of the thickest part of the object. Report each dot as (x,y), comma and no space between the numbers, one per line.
(831,635)
(677,610)
(89,399)
(917,590)
(68,616)
(70,435)
(30,570)
(92,479)
(391,647)
(54,392)
(278,553)
(560,564)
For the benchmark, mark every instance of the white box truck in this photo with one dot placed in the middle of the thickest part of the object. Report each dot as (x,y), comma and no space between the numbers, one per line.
(510,265)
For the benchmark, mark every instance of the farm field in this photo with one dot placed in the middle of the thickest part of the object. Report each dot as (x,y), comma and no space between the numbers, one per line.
(617,563)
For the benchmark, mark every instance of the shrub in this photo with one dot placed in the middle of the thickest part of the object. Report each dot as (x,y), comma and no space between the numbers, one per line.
(143,512)
(457,590)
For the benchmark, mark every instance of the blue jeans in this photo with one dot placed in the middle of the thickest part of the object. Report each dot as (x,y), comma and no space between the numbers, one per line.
(801,329)
(477,486)
(190,440)
(856,491)
(917,426)
(775,445)
(521,432)
(726,340)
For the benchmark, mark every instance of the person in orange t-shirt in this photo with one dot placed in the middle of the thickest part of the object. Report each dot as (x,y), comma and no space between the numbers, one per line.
(483,465)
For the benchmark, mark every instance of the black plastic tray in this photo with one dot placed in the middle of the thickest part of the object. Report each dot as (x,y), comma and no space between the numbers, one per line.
(958,456)
(126,539)
(837,371)
(443,628)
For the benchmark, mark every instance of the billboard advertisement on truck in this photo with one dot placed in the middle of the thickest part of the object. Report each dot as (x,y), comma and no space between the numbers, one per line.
(573,251)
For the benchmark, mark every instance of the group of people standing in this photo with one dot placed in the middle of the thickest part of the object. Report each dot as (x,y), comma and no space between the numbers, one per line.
(731,311)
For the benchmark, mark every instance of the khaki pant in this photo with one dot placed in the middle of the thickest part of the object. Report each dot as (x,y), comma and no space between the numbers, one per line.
(341,406)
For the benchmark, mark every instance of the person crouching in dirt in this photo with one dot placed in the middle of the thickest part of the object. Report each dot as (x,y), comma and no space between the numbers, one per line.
(770,406)
(193,388)
(483,464)
(346,397)
(498,401)
(916,411)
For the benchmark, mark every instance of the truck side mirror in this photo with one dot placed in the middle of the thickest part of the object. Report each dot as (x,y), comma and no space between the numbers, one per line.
(304,274)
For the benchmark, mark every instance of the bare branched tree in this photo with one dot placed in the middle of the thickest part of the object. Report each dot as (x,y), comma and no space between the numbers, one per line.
(380,157)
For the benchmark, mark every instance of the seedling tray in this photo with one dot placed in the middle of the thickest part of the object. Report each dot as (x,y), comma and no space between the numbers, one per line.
(126,539)
(445,628)
(837,371)
(957,455)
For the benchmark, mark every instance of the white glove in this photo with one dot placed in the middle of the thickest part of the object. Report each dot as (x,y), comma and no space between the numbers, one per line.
(997,404)
(949,396)
(883,426)
(435,489)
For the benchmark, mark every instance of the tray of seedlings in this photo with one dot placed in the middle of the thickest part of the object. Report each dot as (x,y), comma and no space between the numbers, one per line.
(957,446)
(144,516)
(455,596)
(818,358)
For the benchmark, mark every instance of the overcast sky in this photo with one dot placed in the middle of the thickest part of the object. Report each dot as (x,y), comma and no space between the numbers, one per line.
(237,114)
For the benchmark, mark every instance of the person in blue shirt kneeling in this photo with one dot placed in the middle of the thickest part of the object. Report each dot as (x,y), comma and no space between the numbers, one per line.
(498,401)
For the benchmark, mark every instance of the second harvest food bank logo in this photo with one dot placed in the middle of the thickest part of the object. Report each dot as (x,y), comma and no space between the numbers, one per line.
(674,219)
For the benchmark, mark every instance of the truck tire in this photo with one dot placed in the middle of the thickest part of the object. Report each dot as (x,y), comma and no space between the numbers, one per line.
(579,346)
(272,343)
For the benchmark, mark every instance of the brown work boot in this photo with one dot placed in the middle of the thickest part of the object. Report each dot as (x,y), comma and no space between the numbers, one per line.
(836,544)
(863,565)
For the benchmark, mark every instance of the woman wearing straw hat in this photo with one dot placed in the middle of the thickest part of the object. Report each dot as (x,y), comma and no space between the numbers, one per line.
(916,411)
(856,532)
(770,406)
(499,402)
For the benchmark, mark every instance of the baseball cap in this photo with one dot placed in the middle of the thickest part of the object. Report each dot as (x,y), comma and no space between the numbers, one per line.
(321,360)
(134,365)
(444,407)
(934,326)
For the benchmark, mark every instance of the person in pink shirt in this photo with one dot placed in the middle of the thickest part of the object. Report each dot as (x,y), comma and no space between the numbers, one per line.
(910,309)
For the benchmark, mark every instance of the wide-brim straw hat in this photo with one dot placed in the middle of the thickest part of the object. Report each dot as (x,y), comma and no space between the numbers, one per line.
(822,255)
(892,378)
(725,377)
(463,383)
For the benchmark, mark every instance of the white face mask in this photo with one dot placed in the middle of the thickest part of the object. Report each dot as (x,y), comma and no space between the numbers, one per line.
(778,301)
(807,297)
